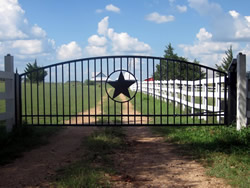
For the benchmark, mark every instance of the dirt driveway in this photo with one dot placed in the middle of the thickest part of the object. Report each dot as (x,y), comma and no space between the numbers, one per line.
(148,162)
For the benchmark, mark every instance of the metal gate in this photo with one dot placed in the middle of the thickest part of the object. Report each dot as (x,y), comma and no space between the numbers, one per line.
(123,90)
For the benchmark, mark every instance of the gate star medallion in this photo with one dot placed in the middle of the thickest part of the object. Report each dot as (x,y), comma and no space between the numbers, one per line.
(121,83)
(121,86)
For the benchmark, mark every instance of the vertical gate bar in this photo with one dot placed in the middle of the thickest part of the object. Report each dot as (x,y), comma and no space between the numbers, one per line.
(187,92)
(37,95)
(50,95)
(56,99)
(95,88)
(225,100)
(44,111)
(121,103)
(193,94)
(167,96)
(147,95)
(220,99)
(25,98)
(200,93)
(82,93)
(180,94)
(31,98)
(69,98)
(76,93)
(141,85)
(63,94)
(20,101)
(207,94)
(160,93)
(101,93)
(114,101)
(134,97)
(213,96)
(107,60)
(121,113)
(154,86)
(88,95)
(174,90)
(128,101)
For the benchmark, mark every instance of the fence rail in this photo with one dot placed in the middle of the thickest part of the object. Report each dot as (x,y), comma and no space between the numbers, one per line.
(187,92)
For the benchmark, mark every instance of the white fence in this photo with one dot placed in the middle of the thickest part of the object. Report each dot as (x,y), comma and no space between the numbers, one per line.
(8,95)
(187,92)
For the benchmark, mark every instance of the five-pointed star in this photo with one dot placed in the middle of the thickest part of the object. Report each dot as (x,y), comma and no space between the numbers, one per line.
(121,86)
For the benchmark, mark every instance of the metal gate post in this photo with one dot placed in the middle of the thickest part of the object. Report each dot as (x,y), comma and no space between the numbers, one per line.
(232,79)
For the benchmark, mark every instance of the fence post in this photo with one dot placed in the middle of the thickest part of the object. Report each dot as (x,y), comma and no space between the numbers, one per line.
(9,89)
(241,105)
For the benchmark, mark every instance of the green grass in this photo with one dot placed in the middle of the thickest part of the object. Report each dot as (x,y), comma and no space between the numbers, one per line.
(21,139)
(91,170)
(39,102)
(224,151)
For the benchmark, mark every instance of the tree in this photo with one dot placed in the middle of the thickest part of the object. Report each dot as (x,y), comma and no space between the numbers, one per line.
(176,68)
(226,61)
(33,75)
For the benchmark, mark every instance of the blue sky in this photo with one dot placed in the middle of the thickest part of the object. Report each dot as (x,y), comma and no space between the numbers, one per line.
(55,31)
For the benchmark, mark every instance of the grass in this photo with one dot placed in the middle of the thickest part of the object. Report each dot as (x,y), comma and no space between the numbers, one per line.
(149,105)
(21,139)
(53,99)
(224,151)
(91,170)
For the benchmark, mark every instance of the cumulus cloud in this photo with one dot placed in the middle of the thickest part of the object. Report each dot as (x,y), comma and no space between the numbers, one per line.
(103,26)
(96,40)
(69,51)
(181,9)
(110,42)
(234,14)
(21,39)
(206,50)
(157,18)
(112,8)
(38,31)
(203,35)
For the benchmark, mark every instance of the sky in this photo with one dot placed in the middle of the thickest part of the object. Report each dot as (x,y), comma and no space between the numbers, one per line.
(56,31)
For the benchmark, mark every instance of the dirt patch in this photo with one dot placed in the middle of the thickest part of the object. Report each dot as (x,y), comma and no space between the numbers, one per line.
(152,162)
(33,169)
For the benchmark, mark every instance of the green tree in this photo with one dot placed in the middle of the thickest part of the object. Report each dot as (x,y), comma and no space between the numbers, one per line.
(33,75)
(176,68)
(226,61)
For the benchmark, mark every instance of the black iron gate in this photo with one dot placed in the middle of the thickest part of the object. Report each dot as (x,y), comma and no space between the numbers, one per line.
(124,90)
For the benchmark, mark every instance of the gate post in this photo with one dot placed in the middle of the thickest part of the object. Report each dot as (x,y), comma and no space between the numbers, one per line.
(232,78)
(9,89)
(241,105)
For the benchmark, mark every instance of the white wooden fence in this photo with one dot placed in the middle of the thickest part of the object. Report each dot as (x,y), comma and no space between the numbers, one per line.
(8,95)
(184,92)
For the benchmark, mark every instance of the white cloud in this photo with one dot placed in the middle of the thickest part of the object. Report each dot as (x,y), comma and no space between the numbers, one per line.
(38,31)
(103,26)
(204,7)
(181,8)
(96,50)
(234,14)
(111,42)
(95,40)
(157,18)
(28,47)
(206,50)
(69,51)
(11,19)
(203,35)
(112,8)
